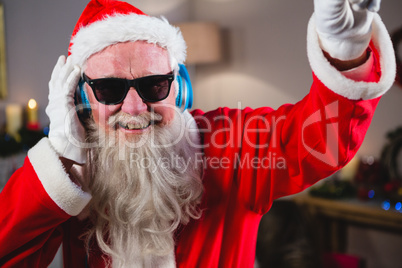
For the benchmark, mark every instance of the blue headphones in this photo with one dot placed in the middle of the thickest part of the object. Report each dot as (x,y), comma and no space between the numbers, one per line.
(184,99)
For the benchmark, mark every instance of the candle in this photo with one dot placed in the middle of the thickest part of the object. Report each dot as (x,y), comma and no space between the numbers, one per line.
(32,115)
(13,119)
(349,171)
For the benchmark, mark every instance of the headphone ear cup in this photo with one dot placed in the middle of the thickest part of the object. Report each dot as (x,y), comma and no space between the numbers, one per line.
(179,91)
(184,99)
(82,105)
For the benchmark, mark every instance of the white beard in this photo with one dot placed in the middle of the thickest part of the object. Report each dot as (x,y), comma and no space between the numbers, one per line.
(142,189)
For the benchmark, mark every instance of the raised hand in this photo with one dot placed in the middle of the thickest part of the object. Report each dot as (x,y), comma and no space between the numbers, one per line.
(344,26)
(66,134)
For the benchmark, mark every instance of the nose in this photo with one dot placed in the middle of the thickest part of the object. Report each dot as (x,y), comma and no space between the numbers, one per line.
(133,104)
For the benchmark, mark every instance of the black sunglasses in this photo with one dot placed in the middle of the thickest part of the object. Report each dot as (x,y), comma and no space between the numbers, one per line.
(112,91)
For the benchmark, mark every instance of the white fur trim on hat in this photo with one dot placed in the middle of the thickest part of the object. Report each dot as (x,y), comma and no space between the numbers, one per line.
(341,85)
(56,182)
(122,28)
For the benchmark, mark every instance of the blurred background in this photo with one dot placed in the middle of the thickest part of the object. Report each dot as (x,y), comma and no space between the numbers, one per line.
(261,61)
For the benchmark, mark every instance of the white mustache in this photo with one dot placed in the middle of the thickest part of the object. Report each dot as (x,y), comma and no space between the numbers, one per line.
(140,121)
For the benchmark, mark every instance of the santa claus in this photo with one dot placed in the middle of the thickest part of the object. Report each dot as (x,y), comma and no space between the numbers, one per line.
(127,178)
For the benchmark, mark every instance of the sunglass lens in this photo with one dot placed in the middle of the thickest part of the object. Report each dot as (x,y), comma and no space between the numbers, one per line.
(109,91)
(154,88)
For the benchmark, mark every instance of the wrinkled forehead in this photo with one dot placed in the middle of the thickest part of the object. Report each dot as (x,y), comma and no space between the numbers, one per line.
(139,58)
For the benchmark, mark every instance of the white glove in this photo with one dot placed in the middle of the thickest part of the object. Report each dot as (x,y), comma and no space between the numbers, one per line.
(344,26)
(66,134)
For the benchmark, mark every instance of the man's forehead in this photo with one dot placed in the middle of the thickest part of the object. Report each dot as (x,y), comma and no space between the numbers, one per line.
(132,48)
(136,56)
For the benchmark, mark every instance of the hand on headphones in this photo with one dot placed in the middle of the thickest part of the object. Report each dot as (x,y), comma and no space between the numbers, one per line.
(66,134)
(344,26)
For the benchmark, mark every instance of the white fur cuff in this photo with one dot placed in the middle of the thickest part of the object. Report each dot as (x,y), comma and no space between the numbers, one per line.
(50,171)
(348,88)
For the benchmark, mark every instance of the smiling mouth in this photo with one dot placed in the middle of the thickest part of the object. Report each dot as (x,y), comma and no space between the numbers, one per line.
(134,126)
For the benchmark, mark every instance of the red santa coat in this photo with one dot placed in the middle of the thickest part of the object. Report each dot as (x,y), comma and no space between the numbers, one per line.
(251,158)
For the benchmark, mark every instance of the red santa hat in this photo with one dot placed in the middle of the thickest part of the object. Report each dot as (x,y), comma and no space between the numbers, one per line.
(107,22)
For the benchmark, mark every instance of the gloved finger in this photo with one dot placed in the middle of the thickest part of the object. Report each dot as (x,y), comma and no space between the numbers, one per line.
(326,7)
(374,6)
(361,5)
(355,1)
(56,70)
(371,5)
(65,71)
(72,81)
